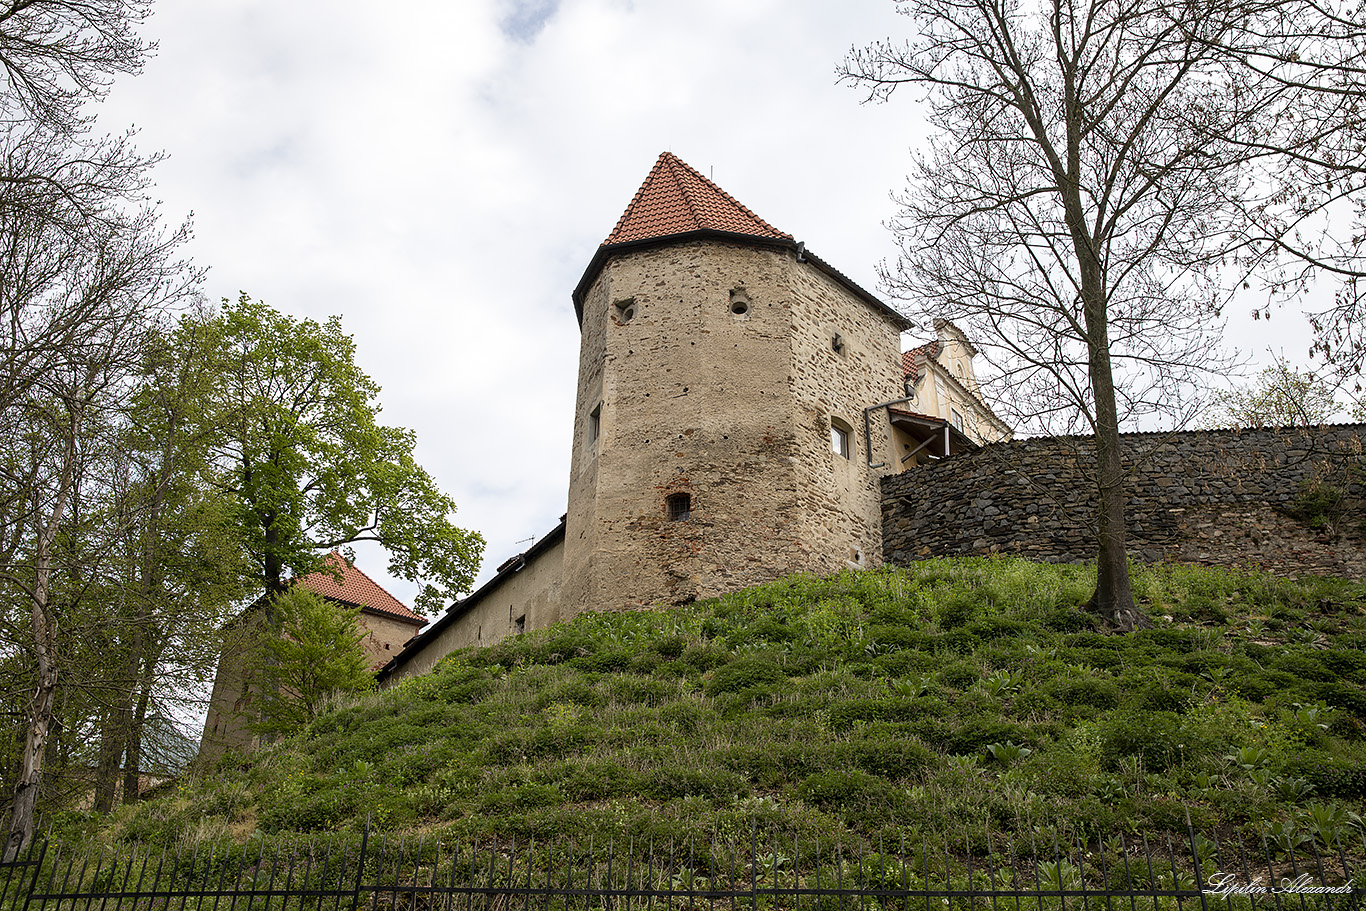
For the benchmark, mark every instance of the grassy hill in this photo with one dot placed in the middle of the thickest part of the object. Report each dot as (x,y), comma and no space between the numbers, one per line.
(942,698)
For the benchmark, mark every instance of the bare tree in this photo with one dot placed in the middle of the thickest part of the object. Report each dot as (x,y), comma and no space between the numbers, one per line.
(59,54)
(1086,203)
(1311,220)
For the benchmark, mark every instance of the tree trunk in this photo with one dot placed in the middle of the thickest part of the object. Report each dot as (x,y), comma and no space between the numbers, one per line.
(22,822)
(112,744)
(132,769)
(1113,599)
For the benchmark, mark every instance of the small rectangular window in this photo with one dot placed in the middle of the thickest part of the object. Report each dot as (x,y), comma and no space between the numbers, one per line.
(958,420)
(839,441)
(679,506)
(595,423)
(521,624)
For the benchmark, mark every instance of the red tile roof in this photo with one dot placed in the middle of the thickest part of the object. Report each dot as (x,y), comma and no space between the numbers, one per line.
(675,199)
(358,590)
(929,350)
(920,415)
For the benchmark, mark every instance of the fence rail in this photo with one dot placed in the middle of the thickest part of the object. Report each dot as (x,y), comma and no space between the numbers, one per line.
(764,874)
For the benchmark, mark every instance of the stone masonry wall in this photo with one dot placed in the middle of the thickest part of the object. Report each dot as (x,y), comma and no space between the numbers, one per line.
(839,496)
(694,401)
(1206,497)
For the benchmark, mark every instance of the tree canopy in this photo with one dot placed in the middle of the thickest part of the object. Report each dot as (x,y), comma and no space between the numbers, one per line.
(1281,396)
(298,446)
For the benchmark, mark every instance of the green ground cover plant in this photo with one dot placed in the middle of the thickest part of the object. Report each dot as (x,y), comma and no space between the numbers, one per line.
(944,699)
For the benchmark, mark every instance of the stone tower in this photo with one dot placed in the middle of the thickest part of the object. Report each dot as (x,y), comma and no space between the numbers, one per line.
(720,434)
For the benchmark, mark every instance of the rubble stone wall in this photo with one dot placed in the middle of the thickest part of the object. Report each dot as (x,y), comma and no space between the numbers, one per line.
(1225,498)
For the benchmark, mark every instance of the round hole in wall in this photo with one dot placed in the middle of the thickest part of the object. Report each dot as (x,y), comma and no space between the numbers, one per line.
(739,303)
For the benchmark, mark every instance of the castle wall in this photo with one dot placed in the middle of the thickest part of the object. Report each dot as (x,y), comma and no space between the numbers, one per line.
(1206,497)
(225,725)
(581,518)
(840,496)
(530,594)
(695,400)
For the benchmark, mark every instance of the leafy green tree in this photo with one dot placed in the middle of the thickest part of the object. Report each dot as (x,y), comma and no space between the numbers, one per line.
(173,568)
(309,650)
(84,266)
(300,450)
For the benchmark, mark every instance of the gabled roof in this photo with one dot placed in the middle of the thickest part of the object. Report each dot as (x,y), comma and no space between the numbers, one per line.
(358,590)
(675,199)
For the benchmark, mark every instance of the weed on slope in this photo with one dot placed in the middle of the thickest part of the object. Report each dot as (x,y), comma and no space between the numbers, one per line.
(944,698)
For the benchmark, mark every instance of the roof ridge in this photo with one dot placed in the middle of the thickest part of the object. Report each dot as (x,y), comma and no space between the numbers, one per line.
(673,162)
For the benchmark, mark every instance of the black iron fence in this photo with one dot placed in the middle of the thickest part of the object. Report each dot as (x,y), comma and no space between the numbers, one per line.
(756,874)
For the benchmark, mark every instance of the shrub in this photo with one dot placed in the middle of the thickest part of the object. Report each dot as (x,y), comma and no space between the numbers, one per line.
(687,717)
(605,661)
(712,784)
(520,797)
(767,630)
(845,789)
(959,607)
(959,674)
(1093,691)
(704,657)
(849,712)
(992,628)
(1157,739)
(1319,505)
(1066,620)
(896,638)
(670,646)
(462,684)
(1304,666)
(638,691)
(960,641)
(1328,776)
(884,754)
(974,735)
(744,673)
(1155,698)
(574,691)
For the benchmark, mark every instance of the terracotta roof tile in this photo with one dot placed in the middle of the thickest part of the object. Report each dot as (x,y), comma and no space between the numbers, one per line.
(675,199)
(908,366)
(357,589)
(903,412)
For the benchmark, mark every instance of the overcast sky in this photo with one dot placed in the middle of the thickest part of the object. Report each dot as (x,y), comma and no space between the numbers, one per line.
(440,172)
